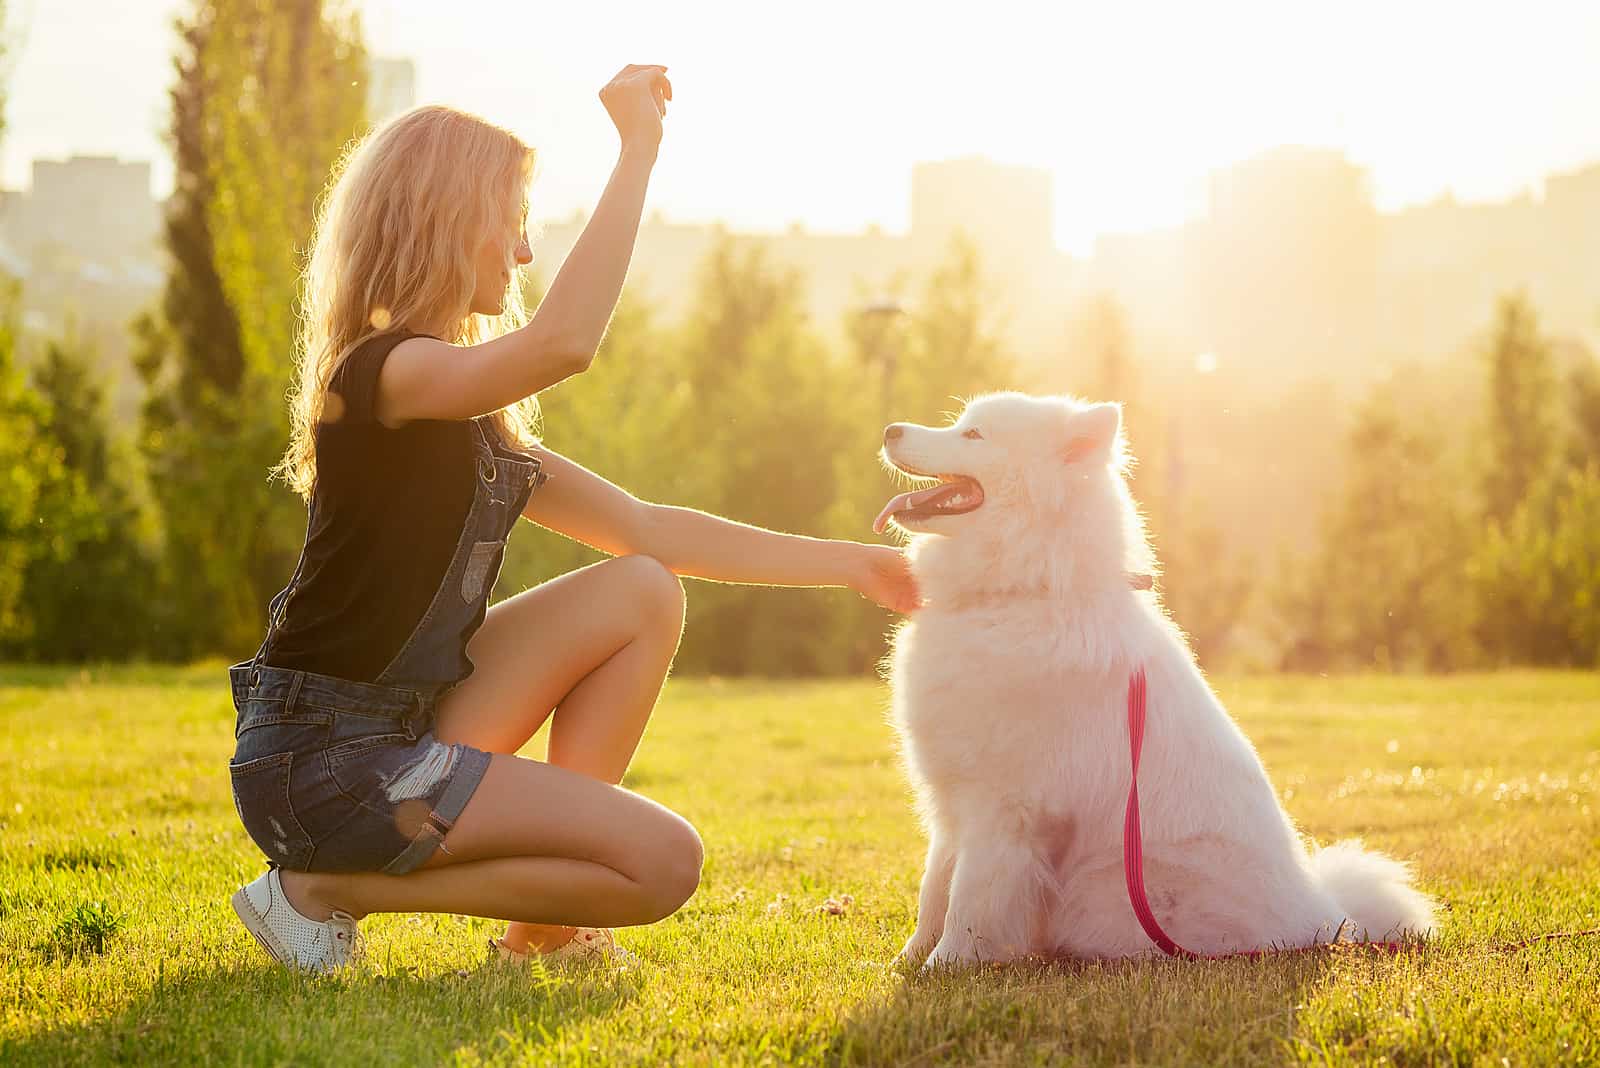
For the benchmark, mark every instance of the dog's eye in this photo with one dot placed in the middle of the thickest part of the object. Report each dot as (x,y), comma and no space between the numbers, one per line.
(972,435)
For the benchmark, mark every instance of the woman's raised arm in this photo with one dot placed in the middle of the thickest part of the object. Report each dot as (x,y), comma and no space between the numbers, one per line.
(428,379)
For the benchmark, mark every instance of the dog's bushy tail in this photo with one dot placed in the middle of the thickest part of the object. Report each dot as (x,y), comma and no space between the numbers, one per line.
(1374,891)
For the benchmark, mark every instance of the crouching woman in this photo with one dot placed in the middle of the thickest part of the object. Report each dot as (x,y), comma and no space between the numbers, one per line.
(378,718)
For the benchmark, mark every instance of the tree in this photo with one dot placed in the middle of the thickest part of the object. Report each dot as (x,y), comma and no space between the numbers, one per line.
(754,440)
(33,478)
(954,345)
(1583,386)
(1386,589)
(1524,420)
(1538,574)
(266,95)
(1207,585)
(1535,561)
(609,419)
(907,360)
(87,597)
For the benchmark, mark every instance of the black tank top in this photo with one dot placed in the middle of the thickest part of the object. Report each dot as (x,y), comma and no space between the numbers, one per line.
(383,522)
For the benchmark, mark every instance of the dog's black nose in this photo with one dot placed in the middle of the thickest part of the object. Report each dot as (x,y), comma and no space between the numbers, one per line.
(892,431)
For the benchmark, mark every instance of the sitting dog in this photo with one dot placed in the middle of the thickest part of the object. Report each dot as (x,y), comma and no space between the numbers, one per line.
(1011,691)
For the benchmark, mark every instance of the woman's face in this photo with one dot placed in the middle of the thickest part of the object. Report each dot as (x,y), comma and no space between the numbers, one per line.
(498,256)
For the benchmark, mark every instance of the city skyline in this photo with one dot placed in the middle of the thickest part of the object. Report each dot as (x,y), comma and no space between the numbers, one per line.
(1342,285)
(1411,114)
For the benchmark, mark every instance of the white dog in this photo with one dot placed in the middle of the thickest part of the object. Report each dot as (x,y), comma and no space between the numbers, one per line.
(1010,696)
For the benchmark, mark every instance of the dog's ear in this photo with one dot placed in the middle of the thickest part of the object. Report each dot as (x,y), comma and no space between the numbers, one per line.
(1092,432)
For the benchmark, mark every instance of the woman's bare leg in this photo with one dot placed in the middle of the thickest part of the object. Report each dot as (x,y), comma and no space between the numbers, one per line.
(613,857)
(594,646)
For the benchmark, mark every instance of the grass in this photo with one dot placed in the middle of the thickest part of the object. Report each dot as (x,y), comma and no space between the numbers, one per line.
(119,847)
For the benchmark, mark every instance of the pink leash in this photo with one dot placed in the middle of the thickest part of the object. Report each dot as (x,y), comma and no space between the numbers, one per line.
(1133,869)
(1133,854)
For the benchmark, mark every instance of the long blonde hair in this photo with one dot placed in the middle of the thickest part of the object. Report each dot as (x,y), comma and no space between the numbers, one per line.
(397,233)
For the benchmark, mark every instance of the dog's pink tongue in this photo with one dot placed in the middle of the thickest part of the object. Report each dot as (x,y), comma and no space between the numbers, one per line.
(901,502)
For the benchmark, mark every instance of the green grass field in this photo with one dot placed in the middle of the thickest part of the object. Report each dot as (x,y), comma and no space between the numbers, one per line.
(119,847)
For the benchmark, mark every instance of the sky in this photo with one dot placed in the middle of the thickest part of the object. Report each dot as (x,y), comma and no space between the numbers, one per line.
(814,112)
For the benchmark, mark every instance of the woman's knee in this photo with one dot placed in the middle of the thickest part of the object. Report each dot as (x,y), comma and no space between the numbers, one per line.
(658,591)
(673,870)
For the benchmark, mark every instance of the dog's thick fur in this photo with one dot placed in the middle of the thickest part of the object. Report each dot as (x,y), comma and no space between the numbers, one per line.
(1010,691)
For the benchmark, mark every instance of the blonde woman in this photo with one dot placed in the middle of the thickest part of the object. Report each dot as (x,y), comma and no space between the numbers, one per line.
(377,720)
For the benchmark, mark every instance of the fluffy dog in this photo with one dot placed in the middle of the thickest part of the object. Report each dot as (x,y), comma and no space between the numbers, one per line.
(1010,692)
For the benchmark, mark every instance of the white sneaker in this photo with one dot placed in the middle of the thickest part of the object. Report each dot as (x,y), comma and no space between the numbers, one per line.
(291,938)
(589,945)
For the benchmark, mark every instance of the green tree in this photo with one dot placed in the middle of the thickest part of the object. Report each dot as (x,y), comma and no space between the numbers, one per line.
(1207,584)
(754,440)
(1538,574)
(266,95)
(34,481)
(1534,563)
(611,420)
(1524,418)
(915,364)
(86,597)
(1583,386)
(1385,589)
(954,344)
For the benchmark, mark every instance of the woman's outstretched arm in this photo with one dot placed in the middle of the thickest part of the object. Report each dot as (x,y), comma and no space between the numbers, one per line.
(583,506)
(428,379)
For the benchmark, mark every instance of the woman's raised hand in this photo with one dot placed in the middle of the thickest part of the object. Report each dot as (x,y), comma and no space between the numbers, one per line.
(636,99)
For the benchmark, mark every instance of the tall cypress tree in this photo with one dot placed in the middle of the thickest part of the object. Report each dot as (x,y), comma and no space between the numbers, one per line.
(266,95)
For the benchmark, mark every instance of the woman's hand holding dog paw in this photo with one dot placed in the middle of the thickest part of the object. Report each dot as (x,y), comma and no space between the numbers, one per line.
(883,574)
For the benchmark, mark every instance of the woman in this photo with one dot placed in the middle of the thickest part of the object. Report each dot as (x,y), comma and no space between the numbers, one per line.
(377,719)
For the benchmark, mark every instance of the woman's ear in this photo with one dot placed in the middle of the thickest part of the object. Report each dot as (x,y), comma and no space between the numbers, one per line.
(1092,431)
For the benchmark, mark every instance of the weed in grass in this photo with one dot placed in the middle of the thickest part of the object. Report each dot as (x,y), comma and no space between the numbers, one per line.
(85,930)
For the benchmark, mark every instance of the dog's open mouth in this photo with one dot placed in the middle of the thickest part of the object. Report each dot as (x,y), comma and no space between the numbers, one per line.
(953,495)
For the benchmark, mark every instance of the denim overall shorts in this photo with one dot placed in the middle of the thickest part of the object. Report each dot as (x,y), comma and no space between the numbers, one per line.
(341,776)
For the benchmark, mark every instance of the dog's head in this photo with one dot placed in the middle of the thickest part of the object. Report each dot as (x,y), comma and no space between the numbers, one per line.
(1007,457)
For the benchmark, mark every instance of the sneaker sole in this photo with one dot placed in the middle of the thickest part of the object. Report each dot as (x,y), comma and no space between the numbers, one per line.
(561,958)
(254,924)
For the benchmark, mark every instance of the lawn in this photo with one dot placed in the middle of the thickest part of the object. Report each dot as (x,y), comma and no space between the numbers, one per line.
(119,847)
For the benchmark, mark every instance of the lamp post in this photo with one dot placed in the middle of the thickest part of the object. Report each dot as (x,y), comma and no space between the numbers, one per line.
(882,311)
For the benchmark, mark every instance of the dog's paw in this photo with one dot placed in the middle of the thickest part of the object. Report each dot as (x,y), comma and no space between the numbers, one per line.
(916,950)
(948,954)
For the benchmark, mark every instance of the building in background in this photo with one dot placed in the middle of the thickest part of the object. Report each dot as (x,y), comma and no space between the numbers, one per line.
(1284,266)
(85,244)
(95,209)
(1005,212)
(1293,273)
(1007,209)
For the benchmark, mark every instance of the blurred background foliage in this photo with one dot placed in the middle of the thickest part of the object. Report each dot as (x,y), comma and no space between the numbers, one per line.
(1447,518)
